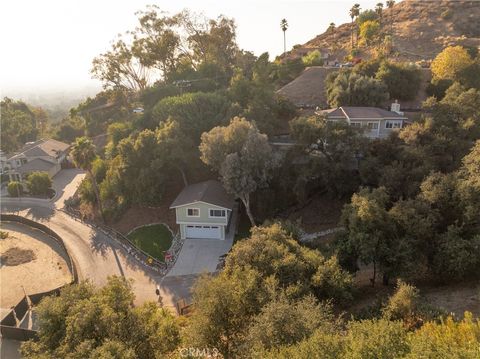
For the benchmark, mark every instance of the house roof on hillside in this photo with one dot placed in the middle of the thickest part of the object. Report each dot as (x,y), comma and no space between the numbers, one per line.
(38,164)
(210,191)
(42,148)
(308,89)
(357,112)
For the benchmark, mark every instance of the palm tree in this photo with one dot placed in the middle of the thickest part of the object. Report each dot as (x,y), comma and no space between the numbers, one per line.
(379,11)
(83,155)
(354,12)
(390,4)
(284,27)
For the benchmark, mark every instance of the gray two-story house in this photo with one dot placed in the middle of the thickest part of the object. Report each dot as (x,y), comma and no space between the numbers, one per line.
(375,122)
(46,155)
(203,210)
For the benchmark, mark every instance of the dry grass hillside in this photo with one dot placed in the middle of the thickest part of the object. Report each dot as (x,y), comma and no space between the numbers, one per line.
(421,29)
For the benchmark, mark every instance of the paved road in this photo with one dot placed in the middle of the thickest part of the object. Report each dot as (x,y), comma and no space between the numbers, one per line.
(96,255)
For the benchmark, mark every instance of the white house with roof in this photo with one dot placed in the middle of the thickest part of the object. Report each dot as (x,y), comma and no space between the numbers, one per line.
(203,210)
(42,155)
(376,122)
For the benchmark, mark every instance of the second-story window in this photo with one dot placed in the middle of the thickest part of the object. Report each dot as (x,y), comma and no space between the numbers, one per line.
(193,212)
(217,213)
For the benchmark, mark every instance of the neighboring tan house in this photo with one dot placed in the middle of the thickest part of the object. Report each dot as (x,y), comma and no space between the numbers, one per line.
(203,210)
(376,122)
(42,155)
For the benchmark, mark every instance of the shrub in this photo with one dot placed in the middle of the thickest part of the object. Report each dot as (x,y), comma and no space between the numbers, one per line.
(39,183)
(15,189)
(403,81)
(313,58)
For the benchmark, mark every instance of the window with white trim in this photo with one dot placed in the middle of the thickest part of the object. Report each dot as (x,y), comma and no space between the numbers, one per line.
(356,124)
(372,125)
(393,124)
(193,212)
(217,213)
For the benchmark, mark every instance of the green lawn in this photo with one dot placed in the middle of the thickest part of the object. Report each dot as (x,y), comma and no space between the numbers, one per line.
(154,240)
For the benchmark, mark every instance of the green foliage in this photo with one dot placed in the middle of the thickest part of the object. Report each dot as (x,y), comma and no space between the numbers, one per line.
(194,112)
(224,307)
(313,58)
(438,88)
(39,183)
(83,155)
(402,305)
(69,129)
(457,256)
(14,189)
(18,125)
(284,322)
(299,270)
(4,234)
(403,81)
(350,89)
(367,68)
(370,339)
(450,62)
(85,322)
(369,31)
(448,339)
(336,146)
(174,47)
(367,15)
(321,345)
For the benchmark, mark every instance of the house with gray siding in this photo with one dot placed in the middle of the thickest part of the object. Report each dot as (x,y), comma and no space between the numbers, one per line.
(46,155)
(203,210)
(375,122)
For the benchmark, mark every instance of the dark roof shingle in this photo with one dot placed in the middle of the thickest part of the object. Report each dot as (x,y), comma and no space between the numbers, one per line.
(210,191)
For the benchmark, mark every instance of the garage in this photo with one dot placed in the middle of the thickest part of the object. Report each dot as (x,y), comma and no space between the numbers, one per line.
(213,232)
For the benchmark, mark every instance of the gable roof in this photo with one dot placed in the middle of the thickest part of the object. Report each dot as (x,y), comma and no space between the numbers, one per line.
(42,148)
(357,112)
(38,164)
(210,191)
(308,89)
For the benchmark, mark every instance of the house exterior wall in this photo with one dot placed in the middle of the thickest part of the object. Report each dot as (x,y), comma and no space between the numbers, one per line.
(381,132)
(181,214)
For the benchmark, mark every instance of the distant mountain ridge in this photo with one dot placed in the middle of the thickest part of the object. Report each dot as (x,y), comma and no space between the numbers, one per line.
(421,29)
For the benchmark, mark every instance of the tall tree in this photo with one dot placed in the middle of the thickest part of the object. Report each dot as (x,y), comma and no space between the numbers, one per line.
(18,125)
(242,156)
(354,12)
(390,5)
(121,68)
(284,27)
(83,155)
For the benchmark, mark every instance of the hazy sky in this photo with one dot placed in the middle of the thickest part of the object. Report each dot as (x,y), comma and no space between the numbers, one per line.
(50,44)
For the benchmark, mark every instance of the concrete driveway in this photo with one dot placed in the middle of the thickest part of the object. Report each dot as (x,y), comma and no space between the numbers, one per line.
(202,255)
(65,184)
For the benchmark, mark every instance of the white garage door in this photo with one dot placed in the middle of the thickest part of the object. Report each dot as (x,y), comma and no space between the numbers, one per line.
(203,232)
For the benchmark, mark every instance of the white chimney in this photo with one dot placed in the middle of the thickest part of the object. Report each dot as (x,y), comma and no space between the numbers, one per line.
(396,108)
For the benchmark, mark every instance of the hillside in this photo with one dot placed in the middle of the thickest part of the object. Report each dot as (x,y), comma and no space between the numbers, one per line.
(421,29)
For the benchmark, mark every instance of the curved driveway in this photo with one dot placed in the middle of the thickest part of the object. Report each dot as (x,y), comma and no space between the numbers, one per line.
(95,254)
